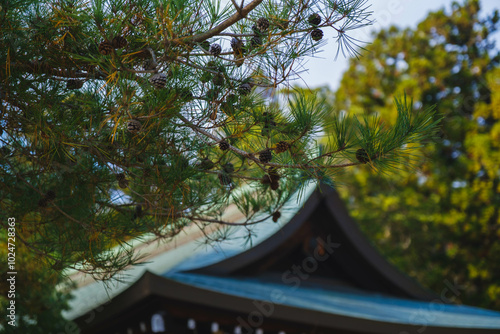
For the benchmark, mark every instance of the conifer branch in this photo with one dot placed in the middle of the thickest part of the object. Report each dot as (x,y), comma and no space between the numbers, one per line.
(238,8)
(247,222)
(252,157)
(221,27)
(44,68)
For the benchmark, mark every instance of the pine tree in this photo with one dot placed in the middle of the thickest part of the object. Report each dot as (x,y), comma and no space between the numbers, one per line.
(108,106)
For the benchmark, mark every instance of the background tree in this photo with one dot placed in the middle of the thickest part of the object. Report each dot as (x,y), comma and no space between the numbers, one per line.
(442,222)
(38,303)
(122,118)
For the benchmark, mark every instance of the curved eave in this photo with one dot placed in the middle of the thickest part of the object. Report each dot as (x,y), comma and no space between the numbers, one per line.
(111,315)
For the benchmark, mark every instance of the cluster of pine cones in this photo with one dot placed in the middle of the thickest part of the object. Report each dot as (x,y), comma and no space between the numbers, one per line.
(159,81)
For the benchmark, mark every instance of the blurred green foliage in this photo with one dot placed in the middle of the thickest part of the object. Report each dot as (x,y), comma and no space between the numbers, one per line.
(442,221)
(38,305)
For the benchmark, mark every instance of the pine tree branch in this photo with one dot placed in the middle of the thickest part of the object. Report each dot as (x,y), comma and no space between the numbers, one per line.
(247,222)
(221,27)
(230,34)
(252,157)
(328,154)
(37,68)
(238,8)
(233,175)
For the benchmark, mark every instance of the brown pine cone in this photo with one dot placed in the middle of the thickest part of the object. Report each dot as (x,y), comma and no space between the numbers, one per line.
(276,216)
(265,156)
(282,146)
(119,42)
(224,146)
(105,48)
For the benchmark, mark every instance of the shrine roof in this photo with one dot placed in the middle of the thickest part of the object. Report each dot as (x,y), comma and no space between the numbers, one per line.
(362,305)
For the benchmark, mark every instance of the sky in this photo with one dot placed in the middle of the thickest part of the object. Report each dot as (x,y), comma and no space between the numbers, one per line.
(326,71)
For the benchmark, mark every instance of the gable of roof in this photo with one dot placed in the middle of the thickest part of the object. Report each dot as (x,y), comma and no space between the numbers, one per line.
(323,219)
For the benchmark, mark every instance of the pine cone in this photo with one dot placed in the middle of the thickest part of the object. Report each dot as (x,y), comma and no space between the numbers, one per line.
(123,184)
(215,49)
(256,41)
(265,179)
(272,176)
(223,145)
(237,46)
(206,164)
(276,216)
(138,211)
(362,156)
(119,42)
(224,179)
(275,185)
(228,168)
(245,89)
(317,34)
(282,146)
(149,65)
(256,31)
(218,79)
(134,126)
(265,156)
(158,80)
(262,24)
(50,195)
(105,48)
(74,84)
(120,177)
(314,19)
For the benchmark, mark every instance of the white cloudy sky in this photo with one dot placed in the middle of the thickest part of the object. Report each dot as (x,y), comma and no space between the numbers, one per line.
(324,70)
